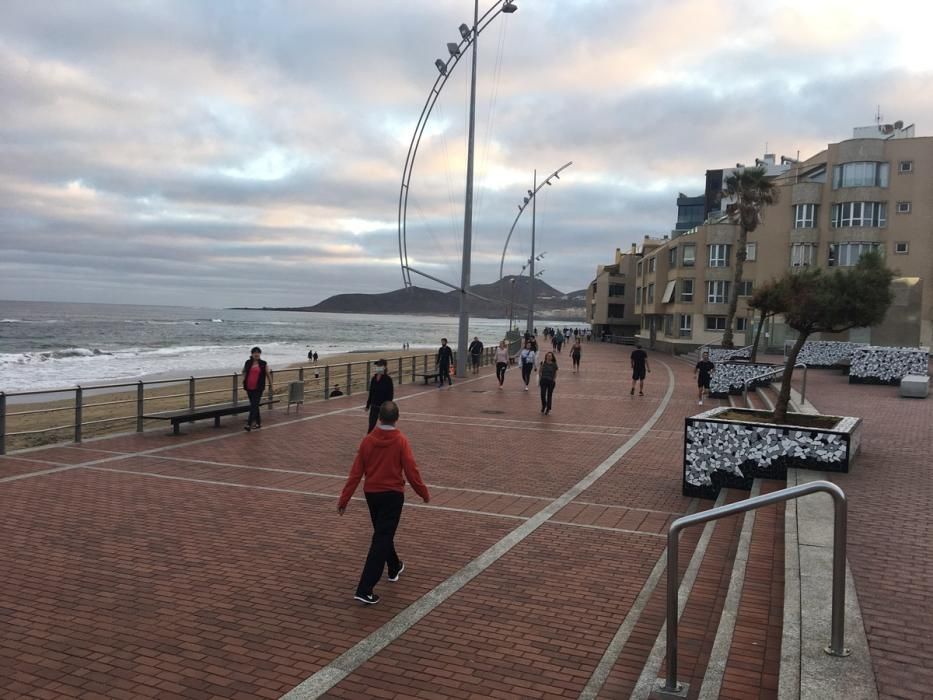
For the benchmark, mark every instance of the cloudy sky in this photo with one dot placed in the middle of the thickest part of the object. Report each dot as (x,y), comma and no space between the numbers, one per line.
(226,152)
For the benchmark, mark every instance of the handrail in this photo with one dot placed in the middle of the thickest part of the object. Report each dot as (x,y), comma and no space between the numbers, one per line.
(836,646)
(778,370)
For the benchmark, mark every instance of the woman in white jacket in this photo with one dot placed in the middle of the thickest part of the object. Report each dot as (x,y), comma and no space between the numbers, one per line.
(502,361)
(527,360)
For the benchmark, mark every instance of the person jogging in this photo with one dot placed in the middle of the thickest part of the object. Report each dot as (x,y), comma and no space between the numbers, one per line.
(704,373)
(255,375)
(381,389)
(639,369)
(527,360)
(476,353)
(502,361)
(385,461)
(547,381)
(575,352)
(445,357)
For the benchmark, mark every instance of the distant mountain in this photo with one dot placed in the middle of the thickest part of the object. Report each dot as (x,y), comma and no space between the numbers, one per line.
(549,302)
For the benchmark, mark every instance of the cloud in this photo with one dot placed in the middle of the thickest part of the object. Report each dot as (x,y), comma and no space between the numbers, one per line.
(244,153)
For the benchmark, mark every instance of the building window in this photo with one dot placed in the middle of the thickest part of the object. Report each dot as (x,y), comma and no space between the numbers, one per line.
(616,310)
(805,215)
(717,291)
(715,323)
(651,264)
(802,254)
(862,174)
(644,322)
(617,290)
(719,254)
(902,248)
(856,214)
(741,324)
(689,255)
(638,268)
(650,293)
(672,257)
(686,291)
(905,166)
(686,325)
(669,325)
(745,288)
(903,207)
(751,252)
(848,254)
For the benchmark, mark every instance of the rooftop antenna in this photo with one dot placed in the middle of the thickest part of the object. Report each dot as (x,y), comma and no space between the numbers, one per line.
(878,116)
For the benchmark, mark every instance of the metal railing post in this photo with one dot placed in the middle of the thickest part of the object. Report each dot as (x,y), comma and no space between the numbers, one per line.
(349,378)
(836,646)
(235,390)
(327,381)
(803,388)
(78,406)
(301,374)
(425,364)
(369,369)
(414,368)
(140,404)
(400,373)
(191,397)
(2,423)
(271,386)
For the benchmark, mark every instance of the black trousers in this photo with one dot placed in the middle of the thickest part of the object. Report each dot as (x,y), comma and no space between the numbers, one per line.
(385,510)
(547,393)
(443,372)
(526,372)
(500,371)
(373,417)
(255,398)
(475,360)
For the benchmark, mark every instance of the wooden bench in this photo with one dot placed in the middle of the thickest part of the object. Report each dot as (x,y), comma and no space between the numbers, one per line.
(215,411)
(428,376)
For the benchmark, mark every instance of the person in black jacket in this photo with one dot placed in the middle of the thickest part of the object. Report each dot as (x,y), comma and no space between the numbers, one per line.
(445,357)
(476,353)
(255,374)
(381,390)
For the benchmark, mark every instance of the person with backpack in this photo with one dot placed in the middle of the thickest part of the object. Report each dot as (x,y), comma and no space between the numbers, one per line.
(476,353)
(385,462)
(527,360)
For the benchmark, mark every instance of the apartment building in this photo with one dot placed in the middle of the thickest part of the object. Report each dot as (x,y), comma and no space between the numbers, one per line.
(871,192)
(610,298)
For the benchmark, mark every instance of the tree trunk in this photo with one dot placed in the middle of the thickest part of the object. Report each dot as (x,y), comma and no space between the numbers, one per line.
(740,254)
(780,408)
(761,325)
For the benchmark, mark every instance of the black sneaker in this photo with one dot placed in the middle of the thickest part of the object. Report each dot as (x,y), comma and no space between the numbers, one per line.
(632,392)
(247,428)
(394,577)
(368,598)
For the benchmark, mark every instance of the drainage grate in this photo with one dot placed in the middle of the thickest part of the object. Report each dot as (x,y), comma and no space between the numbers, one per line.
(491,411)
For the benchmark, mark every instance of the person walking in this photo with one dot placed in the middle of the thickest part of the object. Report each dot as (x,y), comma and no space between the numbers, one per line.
(255,375)
(547,380)
(384,461)
(639,369)
(381,390)
(575,352)
(445,357)
(476,352)
(502,361)
(527,360)
(704,373)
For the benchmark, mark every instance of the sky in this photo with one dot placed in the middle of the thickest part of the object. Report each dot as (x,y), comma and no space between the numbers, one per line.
(234,153)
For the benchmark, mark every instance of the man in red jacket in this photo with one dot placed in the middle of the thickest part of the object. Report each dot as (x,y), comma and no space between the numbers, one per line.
(386,461)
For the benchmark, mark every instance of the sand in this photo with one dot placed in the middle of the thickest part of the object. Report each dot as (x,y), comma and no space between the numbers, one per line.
(50,422)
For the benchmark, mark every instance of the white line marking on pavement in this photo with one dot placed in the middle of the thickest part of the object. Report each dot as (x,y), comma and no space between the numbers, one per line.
(331,674)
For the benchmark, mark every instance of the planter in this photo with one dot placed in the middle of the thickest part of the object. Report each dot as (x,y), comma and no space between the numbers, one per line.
(826,354)
(720,452)
(721,354)
(882,365)
(730,377)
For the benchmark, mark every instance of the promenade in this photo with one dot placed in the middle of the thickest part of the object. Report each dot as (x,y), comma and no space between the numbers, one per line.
(214,564)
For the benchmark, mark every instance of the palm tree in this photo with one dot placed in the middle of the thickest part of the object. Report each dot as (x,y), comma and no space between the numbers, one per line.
(753,190)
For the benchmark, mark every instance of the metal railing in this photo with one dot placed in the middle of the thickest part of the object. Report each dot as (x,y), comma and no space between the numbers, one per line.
(836,646)
(778,370)
(74,399)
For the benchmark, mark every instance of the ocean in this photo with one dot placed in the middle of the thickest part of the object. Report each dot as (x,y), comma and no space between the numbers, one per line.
(45,345)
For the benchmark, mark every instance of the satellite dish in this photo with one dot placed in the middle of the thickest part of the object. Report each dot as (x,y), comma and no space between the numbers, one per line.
(887,128)
(898,124)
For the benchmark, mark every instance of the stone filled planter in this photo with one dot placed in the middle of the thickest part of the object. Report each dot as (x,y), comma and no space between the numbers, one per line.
(730,377)
(725,453)
(828,354)
(884,365)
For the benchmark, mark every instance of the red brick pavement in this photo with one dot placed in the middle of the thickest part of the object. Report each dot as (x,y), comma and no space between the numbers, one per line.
(890,551)
(233,577)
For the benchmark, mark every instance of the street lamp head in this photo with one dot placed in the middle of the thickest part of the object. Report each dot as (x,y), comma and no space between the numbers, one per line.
(548,182)
(453,48)
(520,208)
(464,31)
(530,193)
(525,199)
(509,7)
(441,66)
(557,176)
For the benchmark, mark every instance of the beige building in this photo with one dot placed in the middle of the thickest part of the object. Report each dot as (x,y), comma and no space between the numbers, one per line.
(610,298)
(874,191)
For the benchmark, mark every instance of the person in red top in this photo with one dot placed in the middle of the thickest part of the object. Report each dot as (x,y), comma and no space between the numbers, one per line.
(255,374)
(386,461)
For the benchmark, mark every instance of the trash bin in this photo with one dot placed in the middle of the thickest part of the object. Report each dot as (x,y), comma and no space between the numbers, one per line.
(296,395)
